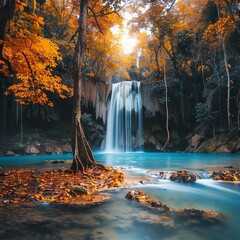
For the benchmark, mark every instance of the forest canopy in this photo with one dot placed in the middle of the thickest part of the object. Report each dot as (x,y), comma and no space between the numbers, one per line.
(186,48)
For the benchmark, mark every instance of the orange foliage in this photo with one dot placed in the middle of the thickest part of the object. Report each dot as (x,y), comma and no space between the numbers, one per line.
(32,57)
(222,28)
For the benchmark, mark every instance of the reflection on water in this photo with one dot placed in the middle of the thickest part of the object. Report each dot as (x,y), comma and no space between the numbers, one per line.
(120,218)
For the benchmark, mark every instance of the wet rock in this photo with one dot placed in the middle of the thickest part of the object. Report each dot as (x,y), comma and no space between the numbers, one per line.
(182,176)
(163,175)
(228,166)
(54,161)
(78,190)
(31,150)
(230,176)
(200,215)
(146,200)
(9,153)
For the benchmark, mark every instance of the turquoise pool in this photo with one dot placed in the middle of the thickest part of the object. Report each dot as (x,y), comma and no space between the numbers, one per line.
(120,218)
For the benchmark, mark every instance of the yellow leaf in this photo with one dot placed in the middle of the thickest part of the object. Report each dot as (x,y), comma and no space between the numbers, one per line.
(40,20)
(20,7)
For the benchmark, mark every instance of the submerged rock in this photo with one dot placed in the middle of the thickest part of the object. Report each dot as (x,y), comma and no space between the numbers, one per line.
(200,215)
(188,215)
(146,200)
(55,161)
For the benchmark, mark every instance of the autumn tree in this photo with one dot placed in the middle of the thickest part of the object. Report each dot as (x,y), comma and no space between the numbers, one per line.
(82,154)
(30,58)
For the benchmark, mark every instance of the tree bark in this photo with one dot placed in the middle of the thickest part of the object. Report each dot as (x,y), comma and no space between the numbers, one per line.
(228,78)
(166,105)
(7,11)
(82,153)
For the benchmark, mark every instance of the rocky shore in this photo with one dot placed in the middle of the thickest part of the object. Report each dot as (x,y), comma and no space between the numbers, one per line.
(184,176)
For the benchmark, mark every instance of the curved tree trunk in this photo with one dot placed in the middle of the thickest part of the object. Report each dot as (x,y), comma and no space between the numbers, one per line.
(82,154)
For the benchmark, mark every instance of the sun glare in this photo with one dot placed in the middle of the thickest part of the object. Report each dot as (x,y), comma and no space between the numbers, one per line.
(128,43)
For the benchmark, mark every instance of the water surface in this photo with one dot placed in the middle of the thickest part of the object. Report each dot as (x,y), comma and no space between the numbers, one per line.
(120,218)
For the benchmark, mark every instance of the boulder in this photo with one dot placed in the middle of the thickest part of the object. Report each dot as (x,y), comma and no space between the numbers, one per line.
(31,150)
(9,153)
(229,176)
(52,148)
(222,149)
(182,176)
(195,140)
(66,147)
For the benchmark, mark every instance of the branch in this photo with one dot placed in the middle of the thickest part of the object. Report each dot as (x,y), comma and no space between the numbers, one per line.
(74,35)
(170,6)
(32,74)
(95,19)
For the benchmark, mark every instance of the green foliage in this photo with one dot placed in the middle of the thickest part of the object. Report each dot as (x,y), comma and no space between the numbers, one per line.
(210,14)
(185,42)
(204,113)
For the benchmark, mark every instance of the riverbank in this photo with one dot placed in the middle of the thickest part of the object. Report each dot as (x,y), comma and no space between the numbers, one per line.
(37,144)
(58,185)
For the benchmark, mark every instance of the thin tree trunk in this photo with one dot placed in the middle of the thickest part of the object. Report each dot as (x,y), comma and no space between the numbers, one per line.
(21,122)
(156,60)
(228,85)
(203,76)
(166,105)
(238,107)
(82,154)
(228,77)
(4,106)
(219,93)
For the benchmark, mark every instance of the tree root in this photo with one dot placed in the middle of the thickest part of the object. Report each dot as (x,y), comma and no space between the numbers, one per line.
(101,167)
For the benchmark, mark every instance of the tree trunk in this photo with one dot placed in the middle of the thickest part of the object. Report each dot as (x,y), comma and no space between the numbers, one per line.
(228,77)
(166,105)
(228,86)
(82,154)
(7,10)
(216,72)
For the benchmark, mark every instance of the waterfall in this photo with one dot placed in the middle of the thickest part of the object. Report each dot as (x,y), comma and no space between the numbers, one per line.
(124,118)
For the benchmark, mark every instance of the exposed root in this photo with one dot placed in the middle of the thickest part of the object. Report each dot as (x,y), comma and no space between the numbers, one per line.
(100,166)
(85,175)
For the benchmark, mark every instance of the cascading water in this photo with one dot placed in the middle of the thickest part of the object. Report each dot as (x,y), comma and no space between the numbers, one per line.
(124,120)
